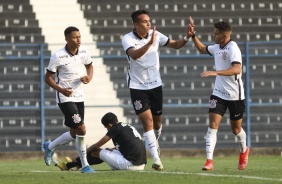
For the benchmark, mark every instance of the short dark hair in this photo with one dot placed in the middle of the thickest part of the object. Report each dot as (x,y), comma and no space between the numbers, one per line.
(109,118)
(223,26)
(70,29)
(135,14)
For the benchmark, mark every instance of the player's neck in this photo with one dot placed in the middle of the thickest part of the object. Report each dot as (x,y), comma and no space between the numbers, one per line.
(225,42)
(141,34)
(72,50)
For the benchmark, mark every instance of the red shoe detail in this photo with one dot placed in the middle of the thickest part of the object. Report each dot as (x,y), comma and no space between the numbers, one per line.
(243,159)
(208,166)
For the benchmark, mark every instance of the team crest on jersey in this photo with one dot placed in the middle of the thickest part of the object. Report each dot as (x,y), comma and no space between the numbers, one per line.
(213,103)
(224,55)
(137,104)
(76,118)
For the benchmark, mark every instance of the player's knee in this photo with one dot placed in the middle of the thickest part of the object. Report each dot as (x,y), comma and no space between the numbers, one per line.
(80,130)
(236,131)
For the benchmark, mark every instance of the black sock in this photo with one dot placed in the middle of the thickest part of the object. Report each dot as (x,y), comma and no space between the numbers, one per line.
(93,160)
(74,164)
(90,159)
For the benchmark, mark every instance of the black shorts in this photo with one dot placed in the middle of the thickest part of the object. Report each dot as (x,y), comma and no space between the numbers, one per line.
(143,100)
(74,113)
(219,106)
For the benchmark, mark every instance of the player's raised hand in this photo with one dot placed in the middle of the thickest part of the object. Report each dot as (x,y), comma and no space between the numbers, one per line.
(191,21)
(153,38)
(191,27)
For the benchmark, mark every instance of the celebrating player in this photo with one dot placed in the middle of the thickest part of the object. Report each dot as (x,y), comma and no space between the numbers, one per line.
(228,90)
(143,77)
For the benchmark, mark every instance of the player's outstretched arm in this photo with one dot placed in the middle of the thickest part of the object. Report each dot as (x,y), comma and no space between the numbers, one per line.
(191,31)
(98,144)
(177,44)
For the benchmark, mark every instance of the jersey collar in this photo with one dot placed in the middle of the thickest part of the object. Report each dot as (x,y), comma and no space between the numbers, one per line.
(225,44)
(70,52)
(134,32)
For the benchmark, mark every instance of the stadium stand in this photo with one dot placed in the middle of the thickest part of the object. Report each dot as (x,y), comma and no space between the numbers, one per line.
(184,127)
(251,21)
(20,37)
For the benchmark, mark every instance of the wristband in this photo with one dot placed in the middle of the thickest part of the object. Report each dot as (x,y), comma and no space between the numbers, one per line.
(193,36)
(185,38)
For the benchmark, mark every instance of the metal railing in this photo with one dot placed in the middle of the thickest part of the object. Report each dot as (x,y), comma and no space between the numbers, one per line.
(250,50)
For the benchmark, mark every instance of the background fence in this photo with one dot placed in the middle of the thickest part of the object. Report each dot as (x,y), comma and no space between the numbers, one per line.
(28,110)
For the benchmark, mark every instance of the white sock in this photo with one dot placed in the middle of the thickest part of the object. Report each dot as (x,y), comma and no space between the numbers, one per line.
(81,148)
(65,138)
(242,138)
(150,142)
(211,139)
(158,132)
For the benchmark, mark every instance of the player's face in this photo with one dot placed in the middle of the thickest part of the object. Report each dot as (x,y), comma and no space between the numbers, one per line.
(218,36)
(74,39)
(143,25)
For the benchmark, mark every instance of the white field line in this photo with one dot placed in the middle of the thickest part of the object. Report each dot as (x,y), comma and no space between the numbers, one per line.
(199,174)
(220,175)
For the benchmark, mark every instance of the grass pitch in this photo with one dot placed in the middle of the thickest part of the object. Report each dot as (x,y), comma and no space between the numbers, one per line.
(261,169)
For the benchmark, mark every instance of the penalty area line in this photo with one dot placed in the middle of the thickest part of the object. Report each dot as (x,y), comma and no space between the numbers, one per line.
(218,175)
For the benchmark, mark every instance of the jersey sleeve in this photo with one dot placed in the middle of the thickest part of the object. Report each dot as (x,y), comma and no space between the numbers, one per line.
(113,132)
(53,64)
(235,55)
(210,49)
(127,42)
(87,57)
(163,39)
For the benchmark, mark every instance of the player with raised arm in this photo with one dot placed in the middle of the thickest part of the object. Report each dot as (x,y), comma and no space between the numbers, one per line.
(228,90)
(143,77)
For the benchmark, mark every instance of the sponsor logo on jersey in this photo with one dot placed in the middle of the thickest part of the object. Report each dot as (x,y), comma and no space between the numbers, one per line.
(63,56)
(222,92)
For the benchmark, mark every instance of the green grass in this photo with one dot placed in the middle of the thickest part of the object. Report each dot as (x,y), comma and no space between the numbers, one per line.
(261,169)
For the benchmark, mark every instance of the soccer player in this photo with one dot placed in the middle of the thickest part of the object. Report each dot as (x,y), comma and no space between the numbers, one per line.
(143,77)
(69,63)
(129,152)
(228,90)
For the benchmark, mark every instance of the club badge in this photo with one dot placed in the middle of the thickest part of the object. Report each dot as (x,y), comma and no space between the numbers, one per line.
(137,105)
(213,103)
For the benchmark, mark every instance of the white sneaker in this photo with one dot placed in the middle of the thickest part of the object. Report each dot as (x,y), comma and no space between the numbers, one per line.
(157,165)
